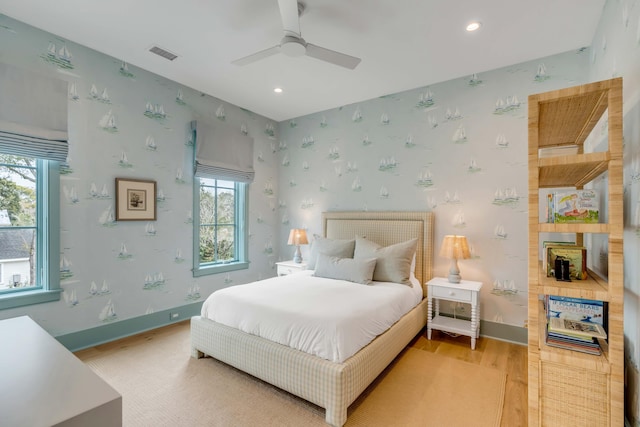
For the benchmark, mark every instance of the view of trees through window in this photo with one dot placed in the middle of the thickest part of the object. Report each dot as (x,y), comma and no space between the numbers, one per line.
(217,221)
(18,221)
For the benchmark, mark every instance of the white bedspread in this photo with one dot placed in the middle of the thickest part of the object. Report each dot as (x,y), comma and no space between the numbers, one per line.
(332,319)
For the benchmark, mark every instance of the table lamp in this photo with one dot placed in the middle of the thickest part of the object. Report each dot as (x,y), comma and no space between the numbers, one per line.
(298,236)
(455,248)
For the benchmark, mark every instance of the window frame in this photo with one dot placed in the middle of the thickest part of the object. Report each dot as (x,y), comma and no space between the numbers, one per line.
(241,238)
(47,242)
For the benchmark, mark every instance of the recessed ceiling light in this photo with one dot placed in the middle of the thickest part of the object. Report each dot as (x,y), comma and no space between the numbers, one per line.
(277,90)
(473,26)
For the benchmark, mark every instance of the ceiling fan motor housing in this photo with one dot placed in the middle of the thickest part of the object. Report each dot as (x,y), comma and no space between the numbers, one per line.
(293,46)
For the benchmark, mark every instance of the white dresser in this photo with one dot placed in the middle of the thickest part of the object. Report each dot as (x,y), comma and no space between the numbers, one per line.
(44,384)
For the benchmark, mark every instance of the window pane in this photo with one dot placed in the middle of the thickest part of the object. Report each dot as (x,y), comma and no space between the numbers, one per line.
(18,178)
(226,243)
(226,206)
(17,256)
(207,205)
(207,244)
(18,221)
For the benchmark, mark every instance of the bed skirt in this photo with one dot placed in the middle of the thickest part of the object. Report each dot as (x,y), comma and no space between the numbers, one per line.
(333,386)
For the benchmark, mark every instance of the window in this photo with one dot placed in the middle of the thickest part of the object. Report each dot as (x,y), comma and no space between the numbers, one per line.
(29,235)
(220,237)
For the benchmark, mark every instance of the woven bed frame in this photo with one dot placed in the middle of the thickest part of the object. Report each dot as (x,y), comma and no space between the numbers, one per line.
(333,386)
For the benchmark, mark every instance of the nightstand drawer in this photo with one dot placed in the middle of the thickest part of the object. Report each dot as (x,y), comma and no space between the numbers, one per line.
(461,295)
(285,271)
(289,267)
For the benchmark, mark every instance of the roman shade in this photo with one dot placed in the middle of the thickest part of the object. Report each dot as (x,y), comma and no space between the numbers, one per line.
(33,114)
(223,152)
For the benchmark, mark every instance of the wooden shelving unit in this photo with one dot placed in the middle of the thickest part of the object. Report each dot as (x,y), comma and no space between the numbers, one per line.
(568,387)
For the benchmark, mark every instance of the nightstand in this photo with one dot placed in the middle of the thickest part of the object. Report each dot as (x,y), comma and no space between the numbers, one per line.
(466,292)
(289,267)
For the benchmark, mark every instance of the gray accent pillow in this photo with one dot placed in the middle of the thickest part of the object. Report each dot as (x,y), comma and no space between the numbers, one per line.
(353,270)
(340,248)
(393,262)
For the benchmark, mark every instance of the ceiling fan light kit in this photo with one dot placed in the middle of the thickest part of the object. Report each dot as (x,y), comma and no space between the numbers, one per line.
(292,44)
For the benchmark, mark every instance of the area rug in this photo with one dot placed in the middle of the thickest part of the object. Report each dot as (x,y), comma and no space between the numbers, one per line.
(424,389)
(162,385)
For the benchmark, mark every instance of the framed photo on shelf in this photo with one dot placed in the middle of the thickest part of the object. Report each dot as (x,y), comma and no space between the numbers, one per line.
(135,200)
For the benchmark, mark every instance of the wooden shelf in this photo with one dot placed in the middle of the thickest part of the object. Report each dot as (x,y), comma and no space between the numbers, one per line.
(546,227)
(575,358)
(571,171)
(569,115)
(559,123)
(593,287)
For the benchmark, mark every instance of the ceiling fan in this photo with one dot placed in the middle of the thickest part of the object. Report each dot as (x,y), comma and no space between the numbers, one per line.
(292,44)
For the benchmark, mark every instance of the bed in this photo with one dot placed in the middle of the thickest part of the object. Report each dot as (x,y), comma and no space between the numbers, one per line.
(333,386)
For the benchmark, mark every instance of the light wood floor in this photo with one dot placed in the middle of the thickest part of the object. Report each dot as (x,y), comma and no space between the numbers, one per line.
(504,356)
(507,357)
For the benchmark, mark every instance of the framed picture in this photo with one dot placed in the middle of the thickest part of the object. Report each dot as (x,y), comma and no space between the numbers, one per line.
(135,200)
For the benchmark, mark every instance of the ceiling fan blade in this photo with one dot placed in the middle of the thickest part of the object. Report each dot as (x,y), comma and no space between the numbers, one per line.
(332,56)
(290,17)
(257,56)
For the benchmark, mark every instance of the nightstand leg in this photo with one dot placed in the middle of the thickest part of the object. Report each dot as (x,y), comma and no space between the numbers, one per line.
(474,326)
(429,317)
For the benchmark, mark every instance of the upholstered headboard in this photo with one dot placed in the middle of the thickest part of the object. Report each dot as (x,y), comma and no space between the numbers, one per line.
(387,228)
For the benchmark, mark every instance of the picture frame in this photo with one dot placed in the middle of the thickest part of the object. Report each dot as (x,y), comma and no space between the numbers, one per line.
(135,200)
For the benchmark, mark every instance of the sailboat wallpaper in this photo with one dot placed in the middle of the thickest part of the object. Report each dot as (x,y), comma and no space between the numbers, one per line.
(450,148)
(457,147)
(125,121)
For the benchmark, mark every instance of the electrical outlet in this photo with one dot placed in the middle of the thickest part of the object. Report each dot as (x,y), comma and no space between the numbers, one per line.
(174,315)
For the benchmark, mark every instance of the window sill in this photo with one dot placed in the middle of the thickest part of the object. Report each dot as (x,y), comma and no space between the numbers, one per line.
(219,268)
(36,296)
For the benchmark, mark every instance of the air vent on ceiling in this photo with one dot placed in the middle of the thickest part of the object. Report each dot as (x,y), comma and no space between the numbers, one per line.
(163,52)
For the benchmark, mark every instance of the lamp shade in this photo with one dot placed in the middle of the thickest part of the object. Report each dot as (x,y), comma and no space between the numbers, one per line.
(455,247)
(298,236)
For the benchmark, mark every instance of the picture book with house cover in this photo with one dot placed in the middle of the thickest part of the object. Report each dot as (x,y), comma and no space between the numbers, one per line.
(576,255)
(546,244)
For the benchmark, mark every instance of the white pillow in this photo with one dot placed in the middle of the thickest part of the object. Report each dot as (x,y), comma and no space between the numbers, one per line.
(340,248)
(413,267)
(353,270)
(393,262)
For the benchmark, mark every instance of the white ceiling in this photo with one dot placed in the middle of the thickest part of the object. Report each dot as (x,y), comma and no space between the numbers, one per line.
(404,44)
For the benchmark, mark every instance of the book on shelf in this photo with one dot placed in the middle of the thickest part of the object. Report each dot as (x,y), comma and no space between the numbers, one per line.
(584,310)
(576,257)
(579,309)
(548,243)
(549,208)
(575,206)
(589,345)
(576,328)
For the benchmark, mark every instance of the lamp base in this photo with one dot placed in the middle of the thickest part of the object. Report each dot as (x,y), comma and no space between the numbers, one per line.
(454,272)
(297,257)
(454,278)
